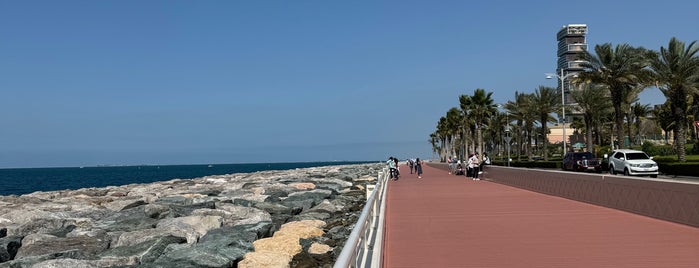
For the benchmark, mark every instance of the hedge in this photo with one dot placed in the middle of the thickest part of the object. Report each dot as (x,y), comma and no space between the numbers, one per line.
(532,164)
(679,168)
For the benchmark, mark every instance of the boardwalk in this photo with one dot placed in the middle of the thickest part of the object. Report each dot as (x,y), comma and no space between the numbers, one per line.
(443,220)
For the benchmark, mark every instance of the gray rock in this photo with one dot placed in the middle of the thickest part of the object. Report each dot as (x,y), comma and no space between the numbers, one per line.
(202,255)
(179,211)
(92,191)
(156,211)
(235,215)
(174,200)
(144,252)
(44,226)
(77,263)
(313,215)
(32,260)
(237,236)
(8,247)
(127,220)
(273,209)
(300,203)
(123,204)
(87,245)
(316,195)
(276,196)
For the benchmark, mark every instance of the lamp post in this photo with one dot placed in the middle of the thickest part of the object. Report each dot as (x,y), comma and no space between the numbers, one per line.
(507,133)
(563,100)
(508,139)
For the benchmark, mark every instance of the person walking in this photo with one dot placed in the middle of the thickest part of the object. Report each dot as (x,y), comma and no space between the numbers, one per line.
(475,165)
(450,163)
(418,168)
(411,164)
(397,168)
(486,161)
(393,174)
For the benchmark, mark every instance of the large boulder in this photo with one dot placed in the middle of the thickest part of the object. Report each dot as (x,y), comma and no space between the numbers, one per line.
(9,246)
(87,245)
(267,259)
(190,228)
(144,252)
(202,255)
(235,215)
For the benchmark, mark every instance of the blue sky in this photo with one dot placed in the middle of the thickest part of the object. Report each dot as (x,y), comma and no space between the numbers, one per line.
(179,82)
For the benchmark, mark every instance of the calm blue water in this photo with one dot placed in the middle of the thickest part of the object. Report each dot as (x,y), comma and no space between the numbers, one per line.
(27,180)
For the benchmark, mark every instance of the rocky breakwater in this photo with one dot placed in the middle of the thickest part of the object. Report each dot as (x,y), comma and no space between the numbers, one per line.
(292,218)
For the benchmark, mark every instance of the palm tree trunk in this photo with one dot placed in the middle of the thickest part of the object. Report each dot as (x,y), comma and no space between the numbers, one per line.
(543,136)
(480,139)
(681,141)
(588,130)
(628,128)
(619,125)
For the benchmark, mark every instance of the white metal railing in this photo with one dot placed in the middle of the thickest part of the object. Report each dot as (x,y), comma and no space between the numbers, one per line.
(365,244)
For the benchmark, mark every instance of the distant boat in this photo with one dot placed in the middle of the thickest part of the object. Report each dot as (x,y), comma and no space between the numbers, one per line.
(211,165)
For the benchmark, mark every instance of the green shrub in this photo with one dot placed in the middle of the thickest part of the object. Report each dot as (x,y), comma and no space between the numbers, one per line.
(537,164)
(665,159)
(658,150)
(601,150)
(677,168)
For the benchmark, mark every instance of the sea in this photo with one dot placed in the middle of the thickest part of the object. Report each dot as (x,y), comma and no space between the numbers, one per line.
(18,181)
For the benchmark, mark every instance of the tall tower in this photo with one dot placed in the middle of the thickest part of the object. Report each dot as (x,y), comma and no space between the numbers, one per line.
(571,44)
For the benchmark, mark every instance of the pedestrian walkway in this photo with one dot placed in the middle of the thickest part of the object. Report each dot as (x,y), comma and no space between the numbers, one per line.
(444,220)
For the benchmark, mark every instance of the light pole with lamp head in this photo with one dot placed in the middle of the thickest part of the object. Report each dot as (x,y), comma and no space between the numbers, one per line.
(507,133)
(563,100)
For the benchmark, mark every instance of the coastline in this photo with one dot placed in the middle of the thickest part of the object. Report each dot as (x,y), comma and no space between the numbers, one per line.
(177,222)
(20,181)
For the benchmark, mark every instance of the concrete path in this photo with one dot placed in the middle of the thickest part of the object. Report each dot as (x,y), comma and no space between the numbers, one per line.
(444,220)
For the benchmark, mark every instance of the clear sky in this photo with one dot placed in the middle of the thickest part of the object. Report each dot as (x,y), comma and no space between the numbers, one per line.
(183,82)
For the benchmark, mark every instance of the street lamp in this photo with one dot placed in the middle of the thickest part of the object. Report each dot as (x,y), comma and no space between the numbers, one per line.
(563,100)
(507,132)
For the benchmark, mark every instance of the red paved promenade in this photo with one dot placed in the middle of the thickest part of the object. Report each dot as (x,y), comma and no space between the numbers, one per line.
(444,220)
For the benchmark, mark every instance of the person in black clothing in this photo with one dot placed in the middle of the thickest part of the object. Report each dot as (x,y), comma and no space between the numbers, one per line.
(418,168)
(395,160)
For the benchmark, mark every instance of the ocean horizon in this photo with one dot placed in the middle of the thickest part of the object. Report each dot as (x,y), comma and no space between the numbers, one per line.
(19,181)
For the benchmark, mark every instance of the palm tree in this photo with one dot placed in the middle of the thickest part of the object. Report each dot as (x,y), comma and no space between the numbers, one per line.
(434,141)
(499,123)
(630,98)
(521,110)
(592,101)
(442,134)
(663,117)
(676,72)
(639,111)
(482,108)
(454,125)
(621,70)
(545,100)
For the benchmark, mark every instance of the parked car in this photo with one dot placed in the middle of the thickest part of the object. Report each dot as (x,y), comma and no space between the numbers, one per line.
(632,162)
(581,161)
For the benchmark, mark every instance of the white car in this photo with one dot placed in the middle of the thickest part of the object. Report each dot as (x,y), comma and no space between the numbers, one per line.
(632,162)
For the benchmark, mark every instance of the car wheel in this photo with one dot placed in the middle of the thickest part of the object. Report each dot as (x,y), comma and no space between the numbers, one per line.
(653,176)
(611,170)
(626,172)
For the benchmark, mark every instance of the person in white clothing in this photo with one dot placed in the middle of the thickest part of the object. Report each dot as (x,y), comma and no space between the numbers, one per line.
(475,166)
